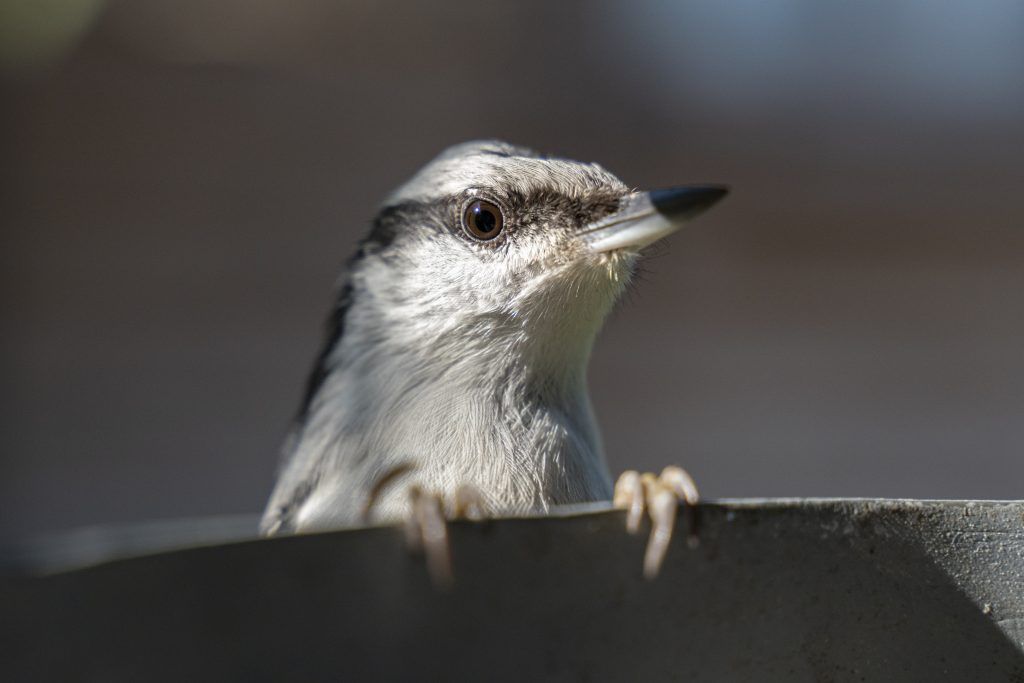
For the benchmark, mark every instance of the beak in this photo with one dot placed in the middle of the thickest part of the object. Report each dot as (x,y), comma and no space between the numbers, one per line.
(648,216)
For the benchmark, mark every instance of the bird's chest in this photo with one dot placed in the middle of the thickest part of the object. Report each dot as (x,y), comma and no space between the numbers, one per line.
(519,460)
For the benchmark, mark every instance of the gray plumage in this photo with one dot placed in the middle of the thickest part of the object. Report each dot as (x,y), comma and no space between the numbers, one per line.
(459,361)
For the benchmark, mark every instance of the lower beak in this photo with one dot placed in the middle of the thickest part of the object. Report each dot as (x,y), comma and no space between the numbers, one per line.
(648,216)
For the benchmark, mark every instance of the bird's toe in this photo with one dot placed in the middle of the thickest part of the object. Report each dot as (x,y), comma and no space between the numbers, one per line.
(659,496)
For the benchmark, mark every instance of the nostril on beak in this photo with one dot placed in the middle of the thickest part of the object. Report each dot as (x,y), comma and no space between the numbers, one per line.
(681,203)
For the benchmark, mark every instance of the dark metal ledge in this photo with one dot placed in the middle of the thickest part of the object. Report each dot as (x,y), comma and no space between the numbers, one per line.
(778,590)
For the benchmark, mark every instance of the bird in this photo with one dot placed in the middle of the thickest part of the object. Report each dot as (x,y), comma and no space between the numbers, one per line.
(453,375)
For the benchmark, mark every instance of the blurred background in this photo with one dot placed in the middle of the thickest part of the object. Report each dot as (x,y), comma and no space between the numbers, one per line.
(183,179)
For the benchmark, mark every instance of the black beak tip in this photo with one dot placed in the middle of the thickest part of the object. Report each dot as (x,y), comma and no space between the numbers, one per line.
(687,201)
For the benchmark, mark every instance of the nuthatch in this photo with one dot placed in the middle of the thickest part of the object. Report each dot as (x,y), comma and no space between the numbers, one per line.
(456,356)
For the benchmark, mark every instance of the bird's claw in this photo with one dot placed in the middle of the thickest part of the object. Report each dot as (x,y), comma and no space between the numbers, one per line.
(426,531)
(660,497)
(426,527)
(468,504)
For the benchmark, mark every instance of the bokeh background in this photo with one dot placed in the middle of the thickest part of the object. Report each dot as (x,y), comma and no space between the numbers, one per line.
(182,180)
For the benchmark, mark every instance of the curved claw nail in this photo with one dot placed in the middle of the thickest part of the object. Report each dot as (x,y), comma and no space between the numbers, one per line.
(662,507)
(469,504)
(680,481)
(426,530)
(629,494)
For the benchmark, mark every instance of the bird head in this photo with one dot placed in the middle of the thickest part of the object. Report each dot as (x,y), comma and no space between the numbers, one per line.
(494,249)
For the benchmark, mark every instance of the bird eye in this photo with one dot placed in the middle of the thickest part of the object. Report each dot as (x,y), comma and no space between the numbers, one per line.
(483,220)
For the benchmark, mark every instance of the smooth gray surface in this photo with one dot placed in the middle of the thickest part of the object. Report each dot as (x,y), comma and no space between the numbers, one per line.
(827,590)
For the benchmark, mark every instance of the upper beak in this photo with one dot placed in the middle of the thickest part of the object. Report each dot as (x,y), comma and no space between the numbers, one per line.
(648,216)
